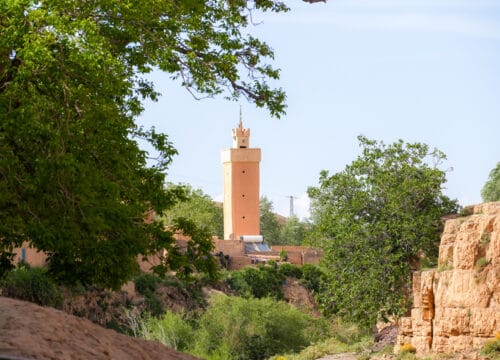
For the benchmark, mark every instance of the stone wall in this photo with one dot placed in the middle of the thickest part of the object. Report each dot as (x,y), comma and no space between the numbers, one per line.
(29,255)
(456,307)
(300,255)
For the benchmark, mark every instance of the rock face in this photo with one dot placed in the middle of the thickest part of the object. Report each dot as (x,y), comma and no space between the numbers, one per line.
(456,307)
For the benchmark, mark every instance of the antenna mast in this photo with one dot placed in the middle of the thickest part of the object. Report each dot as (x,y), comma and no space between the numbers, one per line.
(291,204)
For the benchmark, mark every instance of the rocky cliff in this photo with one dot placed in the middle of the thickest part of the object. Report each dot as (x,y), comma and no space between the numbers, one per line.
(456,307)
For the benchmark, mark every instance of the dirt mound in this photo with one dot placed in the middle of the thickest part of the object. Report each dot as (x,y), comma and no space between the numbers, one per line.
(298,296)
(386,337)
(109,308)
(29,331)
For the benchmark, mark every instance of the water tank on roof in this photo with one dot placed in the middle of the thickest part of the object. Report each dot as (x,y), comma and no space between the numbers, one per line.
(252,238)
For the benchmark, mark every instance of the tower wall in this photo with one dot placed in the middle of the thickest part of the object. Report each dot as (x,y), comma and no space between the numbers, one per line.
(241,192)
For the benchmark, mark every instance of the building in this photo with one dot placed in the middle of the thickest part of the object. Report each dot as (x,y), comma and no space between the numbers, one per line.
(243,243)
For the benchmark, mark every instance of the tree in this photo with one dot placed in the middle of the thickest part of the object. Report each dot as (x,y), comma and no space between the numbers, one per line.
(270,228)
(491,189)
(73,181)
(200,208)
(294,231)
(375,220)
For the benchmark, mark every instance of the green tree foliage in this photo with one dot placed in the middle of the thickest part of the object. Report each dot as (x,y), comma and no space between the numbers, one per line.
(31,284)
(290,270)
(313,278)
(491,189)
(294,231)
(291,231)
(73,180)
(270,228)
(172,329)
(259,282)
(253,329)
(199,207)
(374,220)
(235,328)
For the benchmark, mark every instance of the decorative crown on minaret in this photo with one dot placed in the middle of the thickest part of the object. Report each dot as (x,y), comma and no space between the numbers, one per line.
(241,136)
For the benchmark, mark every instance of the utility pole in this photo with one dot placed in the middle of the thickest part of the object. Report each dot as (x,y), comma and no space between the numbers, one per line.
(291,204)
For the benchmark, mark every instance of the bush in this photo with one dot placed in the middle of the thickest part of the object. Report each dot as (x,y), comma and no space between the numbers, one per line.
(146,285)
(290,270)
(32,284)
(491,348)
(481,263)
(260,282)
(407,348)
(312,277)
(238,328)
(340,337)
(172,330)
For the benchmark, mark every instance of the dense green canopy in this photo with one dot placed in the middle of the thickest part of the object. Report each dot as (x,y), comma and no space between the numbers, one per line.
(374,220)
(199,207)
(491,189)
(73,180)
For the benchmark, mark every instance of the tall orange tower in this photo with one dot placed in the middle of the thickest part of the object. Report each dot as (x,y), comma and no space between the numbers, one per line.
(241,187)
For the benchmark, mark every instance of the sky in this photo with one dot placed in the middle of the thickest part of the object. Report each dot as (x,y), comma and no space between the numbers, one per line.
(418,70)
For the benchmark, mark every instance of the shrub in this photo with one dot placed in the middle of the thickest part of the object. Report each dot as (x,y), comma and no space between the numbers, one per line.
(407,348)
(466,211)
(327,347)
(146,285)
(485,239)
(290,270)
(481,263)
(445,267)
(346,332)
(283,255)
(238,328)
(312,277)
(260,282)
(172,330)
(32,284)
(491,348)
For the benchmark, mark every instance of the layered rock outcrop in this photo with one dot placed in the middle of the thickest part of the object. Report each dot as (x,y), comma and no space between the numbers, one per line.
(456,307)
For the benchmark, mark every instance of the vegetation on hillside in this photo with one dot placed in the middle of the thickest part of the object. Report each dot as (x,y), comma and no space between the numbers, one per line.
(288,231)
(198,206)
(375,219)
(75,184)
(255,325)
(73,181)
(491,189)
(31,284)
(237,328)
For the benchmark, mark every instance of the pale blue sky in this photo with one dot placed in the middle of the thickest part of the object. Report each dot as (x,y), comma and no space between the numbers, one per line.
(417,70)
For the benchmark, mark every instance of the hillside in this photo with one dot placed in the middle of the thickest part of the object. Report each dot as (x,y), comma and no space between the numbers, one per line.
(29,331)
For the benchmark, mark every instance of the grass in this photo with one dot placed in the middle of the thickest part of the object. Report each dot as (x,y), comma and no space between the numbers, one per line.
(491,348)
(481,263)
(485,239)
(346,338)
(407,352)
(327,347)
(444,267)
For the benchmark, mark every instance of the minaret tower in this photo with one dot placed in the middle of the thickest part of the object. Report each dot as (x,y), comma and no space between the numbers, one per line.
(241,187)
